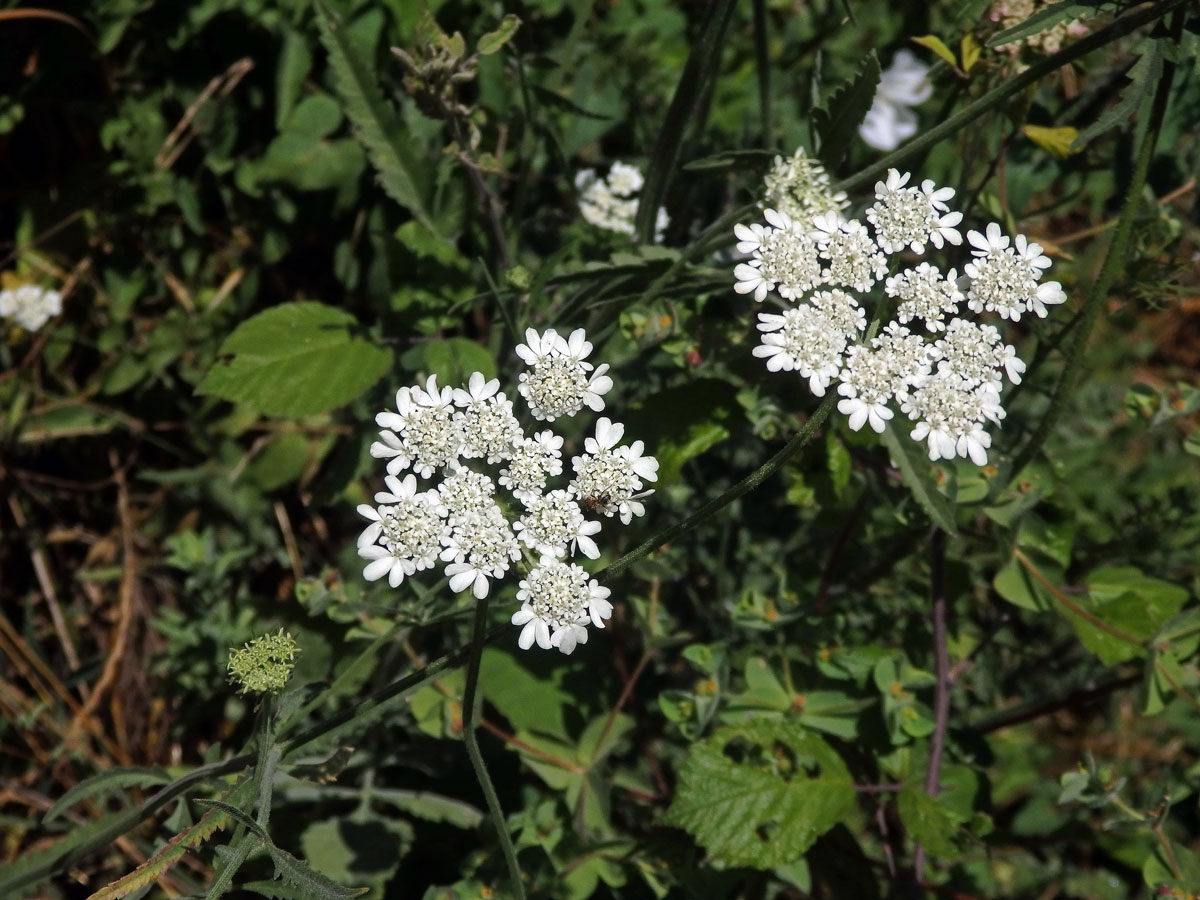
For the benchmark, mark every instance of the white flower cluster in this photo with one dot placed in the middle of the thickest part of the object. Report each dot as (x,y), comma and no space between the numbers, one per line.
(466,521)
(945,375)
(611,203)
(1010,13)
(890,121)
(30,306)
(798,186)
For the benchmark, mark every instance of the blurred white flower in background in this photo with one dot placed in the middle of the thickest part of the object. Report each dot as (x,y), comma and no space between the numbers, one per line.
(609,202)
(902,85)
(30,306)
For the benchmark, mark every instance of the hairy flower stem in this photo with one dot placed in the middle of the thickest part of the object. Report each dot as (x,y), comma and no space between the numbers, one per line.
(941,663)
(1019,82)
(471,739)
(1114,261)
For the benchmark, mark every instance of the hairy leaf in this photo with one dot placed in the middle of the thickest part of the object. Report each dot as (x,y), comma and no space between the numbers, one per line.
(166,857)
(295,359)
(838,119)
(1143,78)
(759,794)
(376,124)
(915,467)
(105,783)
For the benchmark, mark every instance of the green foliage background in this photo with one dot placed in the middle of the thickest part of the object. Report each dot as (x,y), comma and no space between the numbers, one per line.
(263,225)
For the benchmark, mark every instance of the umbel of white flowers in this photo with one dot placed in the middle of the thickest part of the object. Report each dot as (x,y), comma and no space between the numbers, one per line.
(30,306)
(611,202)
(934,362)
(471,443)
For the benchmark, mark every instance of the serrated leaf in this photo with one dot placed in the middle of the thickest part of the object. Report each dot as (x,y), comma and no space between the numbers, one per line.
(935,43)
(105,783)
(1143,77)
(761,793)
(914,466)
(166,857)
(313,884)
(1059,142)
(493,41)
(376,125)
(930,823)
(1046,17)
(838,119)
(295,360)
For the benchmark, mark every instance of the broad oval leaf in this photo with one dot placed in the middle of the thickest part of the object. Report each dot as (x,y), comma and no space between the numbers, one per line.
(761,793)
(295,359)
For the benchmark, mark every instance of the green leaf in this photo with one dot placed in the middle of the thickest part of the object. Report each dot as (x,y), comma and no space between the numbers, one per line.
(937,827)
(917,472)
(938,46)
(311,883)
(728,159)
(295,62)
(761,793)
(453,360)
(701,67)
(295,359)
(105,783)
(376,124)
(1143,77)
(1159,869)
(838,119)
(493,41)
(528,701)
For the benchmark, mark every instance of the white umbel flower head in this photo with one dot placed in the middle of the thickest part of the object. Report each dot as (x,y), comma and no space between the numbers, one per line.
(485,420)
(1004,279)
(784,258)
(426,435)
(30,306)
(798,186)
(924,294)
(610,203)
(406,531)
(852,259)
(558,600)
(492,504)
(480,547)
(531,462)
(560,382)
(609,479)
(946,373)
(554,525)
(912,217)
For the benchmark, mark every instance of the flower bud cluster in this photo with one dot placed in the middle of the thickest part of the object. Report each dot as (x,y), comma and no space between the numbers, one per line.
(933,361)
(263,665)
(798,186)
(611,202)
(492,503)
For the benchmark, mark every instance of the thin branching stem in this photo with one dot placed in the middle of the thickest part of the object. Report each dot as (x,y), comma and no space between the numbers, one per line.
(471,739)
(941,664)
(1114,261)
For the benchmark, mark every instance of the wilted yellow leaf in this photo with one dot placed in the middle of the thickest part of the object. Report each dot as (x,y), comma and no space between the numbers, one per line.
(970,52)
(934,43)
(1057,141)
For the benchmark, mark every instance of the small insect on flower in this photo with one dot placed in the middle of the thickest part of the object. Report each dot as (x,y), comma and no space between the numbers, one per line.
(599,501)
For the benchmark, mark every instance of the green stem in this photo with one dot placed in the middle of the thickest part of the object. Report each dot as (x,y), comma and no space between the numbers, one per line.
(747,484)
(998,95)
(1113,261)
(471,739)
(762,64)
(699,69)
